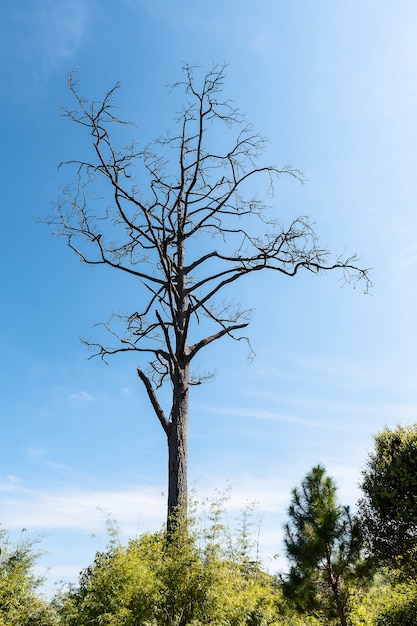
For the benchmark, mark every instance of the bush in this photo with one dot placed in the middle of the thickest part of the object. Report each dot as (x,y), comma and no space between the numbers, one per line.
(403,615)
(400,606)
(201,576)
(19,604)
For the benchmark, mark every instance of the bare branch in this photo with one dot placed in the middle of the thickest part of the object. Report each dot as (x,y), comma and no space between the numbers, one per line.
(147,236)
(207,340)
(154,401)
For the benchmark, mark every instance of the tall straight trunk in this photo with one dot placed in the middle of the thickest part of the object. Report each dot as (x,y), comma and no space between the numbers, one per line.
(178,431)
(177,438)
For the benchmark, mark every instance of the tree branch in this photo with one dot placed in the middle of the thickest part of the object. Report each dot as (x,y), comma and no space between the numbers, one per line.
(207,340)
(165,423)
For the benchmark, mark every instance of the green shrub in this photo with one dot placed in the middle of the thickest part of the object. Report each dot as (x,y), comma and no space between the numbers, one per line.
(403,615)
(200,576)
(19,603)
(400,607)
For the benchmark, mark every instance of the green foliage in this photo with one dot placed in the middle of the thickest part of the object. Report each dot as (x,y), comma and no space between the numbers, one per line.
(388,509)
(399,604)
(324,546)
(201,575)
(367,604)
(198,576)
(19,604)
(404,614)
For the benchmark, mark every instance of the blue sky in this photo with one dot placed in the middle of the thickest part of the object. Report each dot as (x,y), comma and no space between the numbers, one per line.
(332,86)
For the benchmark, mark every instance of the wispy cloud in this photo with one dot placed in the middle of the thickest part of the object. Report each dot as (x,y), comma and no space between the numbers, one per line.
(41,455)
(35,41)
(66,24)
(263,414)
(144,508)
(79,509)
(81,513)
(82,396)
(380,371)
(77,517)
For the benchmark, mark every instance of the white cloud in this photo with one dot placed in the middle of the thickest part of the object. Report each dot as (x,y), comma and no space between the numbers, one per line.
(81,395)
(11,486)
(75,519)
(77,515)
(80,509)
(135,509)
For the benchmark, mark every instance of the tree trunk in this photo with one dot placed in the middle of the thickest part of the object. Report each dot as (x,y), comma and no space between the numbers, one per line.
(178,450)
(334,584)
(339,604)
(341,611)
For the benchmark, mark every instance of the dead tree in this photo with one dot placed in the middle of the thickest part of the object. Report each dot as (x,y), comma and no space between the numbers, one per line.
(183,223)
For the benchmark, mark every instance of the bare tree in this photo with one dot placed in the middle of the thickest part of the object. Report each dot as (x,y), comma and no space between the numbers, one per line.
(184,224)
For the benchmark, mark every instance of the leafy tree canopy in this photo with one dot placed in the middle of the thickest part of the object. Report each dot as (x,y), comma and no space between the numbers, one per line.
(389,505)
